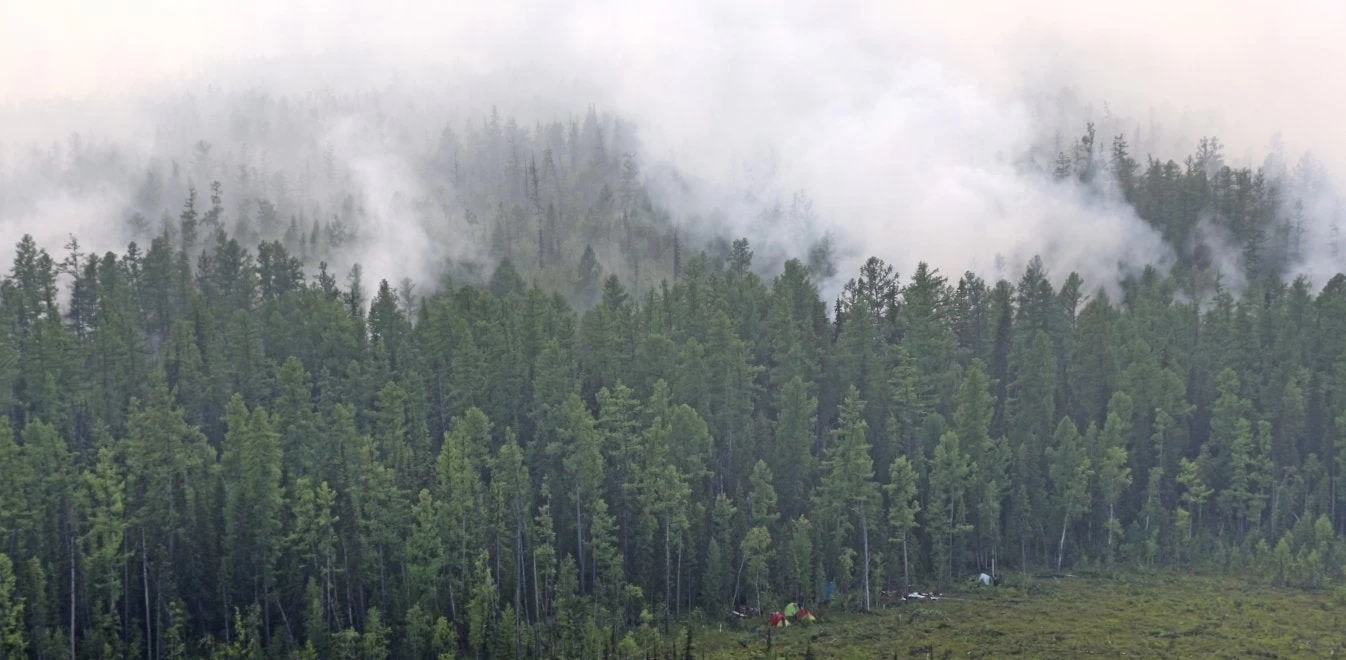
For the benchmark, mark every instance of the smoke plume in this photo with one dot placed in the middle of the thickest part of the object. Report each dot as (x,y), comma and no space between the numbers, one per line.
(915,131)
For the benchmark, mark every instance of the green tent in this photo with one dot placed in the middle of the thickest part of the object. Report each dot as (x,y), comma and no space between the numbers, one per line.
(791,610)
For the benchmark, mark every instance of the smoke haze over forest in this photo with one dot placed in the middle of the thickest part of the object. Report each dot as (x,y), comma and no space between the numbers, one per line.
(588,328)
(919,132)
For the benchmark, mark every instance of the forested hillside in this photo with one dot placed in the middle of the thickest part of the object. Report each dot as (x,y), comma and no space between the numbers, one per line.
(215,446)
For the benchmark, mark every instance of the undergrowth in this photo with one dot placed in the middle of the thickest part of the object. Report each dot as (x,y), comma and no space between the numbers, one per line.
(1086,613)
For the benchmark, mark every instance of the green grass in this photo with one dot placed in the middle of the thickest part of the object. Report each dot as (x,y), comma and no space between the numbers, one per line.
(1088,615)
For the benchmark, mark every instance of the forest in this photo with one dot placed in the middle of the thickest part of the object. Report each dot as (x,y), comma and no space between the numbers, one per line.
(606,434)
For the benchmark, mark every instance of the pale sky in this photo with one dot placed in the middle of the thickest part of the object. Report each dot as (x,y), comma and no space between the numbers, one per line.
(1261,66)
(890,113)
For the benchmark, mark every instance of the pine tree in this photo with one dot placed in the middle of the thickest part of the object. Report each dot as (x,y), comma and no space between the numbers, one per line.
(1070,474)
(589,279)
(103,503)
(1196,492)
(992,457)
(459,487)
(800,559)
(481,608)
(847,491)
(791,459)
(511,499)
(1114,475)
(374,640)
(253,502)
(580,445)
(425,552)
(945,507)
(903,506)
(13,642)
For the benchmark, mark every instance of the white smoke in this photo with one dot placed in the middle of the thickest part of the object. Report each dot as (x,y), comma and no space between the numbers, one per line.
(907,124)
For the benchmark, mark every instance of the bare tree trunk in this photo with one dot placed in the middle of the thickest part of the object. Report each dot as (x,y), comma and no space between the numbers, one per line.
(383,581)
(224,604)
(906,566)
(1331,495)
(126,589)
(327,591)
(145,582)
(284,619)
(579,539)
(462,556)
(265,597)
(520,573)
(738,576)
(72,592)
(346,567)
(1111,517)
(668,603)
(864,534)
(537,595)
(1275,507)
(678,589)
(1061,548)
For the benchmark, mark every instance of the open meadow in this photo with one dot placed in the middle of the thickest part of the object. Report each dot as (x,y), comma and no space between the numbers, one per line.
(1087,615)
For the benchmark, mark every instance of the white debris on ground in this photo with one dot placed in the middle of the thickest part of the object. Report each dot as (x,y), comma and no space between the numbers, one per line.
(916,595)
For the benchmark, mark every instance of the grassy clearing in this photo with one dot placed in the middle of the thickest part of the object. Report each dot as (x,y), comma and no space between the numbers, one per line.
(1100,615)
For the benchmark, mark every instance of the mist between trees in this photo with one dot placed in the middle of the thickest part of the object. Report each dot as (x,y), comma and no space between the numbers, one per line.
(592,418)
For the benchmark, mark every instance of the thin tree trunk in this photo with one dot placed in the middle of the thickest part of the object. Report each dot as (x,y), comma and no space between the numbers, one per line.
(383,581)
(145,582)
(520,573)
(346,566)
(953,517)
(1111,517)
(224,603)
(864,534)
(1275,507)
(678,580)
(284,619)
(172,559)
(668,588)
(72,592)
(406,580)
(738,576)
(1061,548)
(453,604)
(126,589)
(439,401)
(537,596)
(906,567)
(462,554)
(579,538)
(265,597)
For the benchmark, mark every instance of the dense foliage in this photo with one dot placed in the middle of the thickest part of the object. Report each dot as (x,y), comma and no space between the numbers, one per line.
(213,451)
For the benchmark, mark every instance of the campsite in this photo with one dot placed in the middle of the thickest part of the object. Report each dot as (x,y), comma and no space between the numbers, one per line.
(1085,614)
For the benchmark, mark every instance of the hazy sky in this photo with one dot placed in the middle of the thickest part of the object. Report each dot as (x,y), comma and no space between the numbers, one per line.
(900,118)
(1257,66)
